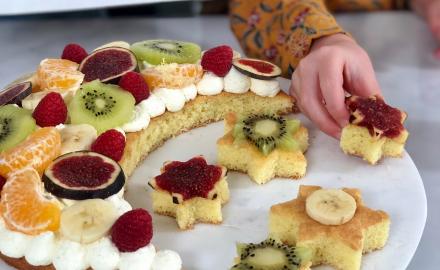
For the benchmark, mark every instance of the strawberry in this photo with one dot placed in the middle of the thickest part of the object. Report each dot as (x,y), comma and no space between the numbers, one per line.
(134,83)
(218,60)
(110,143)
(51,110)
(74,52)
(132,231)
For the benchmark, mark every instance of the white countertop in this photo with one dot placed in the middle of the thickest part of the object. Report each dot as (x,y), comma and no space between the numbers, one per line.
(399,44)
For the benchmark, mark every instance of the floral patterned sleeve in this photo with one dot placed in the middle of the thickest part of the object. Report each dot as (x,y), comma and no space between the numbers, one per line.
(282,31)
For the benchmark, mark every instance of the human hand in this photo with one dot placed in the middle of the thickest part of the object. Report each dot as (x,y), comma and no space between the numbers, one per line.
(430,10)
(334,65)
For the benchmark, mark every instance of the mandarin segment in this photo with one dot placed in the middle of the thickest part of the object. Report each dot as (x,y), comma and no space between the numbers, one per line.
(37,151)
(59,75)
(172,75)
(24,206)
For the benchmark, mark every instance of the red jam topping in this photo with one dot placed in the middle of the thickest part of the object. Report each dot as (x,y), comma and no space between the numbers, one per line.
(260,66)
(376,115)
(193,178)
(83,171)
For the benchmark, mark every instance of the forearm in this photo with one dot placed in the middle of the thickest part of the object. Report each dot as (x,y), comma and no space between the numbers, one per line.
(280,31)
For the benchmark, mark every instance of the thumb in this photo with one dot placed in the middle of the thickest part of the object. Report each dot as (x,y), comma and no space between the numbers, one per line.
(363,82)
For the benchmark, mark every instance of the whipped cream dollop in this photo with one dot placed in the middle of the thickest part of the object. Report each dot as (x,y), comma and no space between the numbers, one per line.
(210,84)
(70,256)
(166,259)
(236,82)
(190,92)
(41,249)
(174,99)
(13,244)
(141,259)
(103,255)
(140,120)
(154,105)
(265,88)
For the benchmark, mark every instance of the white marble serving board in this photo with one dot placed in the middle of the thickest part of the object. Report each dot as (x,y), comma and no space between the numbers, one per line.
(394,186)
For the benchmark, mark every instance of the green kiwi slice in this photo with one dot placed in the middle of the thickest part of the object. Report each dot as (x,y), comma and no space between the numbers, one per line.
(159,51)
(270,255)
(103,106)
(15,125)
(268,132)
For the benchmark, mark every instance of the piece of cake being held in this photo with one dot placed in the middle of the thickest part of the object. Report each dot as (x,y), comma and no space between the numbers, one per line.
(376,129)
(264,146)
(190,191)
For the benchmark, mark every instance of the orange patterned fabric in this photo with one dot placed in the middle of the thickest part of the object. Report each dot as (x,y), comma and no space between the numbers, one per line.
(282,31)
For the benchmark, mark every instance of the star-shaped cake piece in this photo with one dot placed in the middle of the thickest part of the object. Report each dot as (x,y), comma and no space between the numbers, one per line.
(342,245)
(264,147)
(375,130)
(190,191)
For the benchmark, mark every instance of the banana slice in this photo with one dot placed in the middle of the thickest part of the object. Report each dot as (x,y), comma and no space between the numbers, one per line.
(121,44)
(331,206)
(87,221)
(77,137)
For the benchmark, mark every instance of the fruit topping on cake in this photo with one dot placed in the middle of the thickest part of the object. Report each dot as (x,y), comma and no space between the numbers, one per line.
(132,231)
(134,83)
(174,76)
(157,52)
(108,64)
(36,151)
(218,60)
(374,114)
(268,132)
(110,143)
(264,146)
(271,255)
(326,221)
(15,125)
(59,75)
(186,180)
(257,69)
(331,206)
(14,94)
(104,106)
(191,191)
(51,110)
(83,175)
(88,220)
(74,52)
(77,138)
(24,206)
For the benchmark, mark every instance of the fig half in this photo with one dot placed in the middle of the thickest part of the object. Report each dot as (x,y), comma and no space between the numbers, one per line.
(83,175)
(108,64)
(14,94)
(257,69)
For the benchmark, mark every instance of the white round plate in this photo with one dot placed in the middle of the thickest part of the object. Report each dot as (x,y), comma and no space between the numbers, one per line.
(394,185)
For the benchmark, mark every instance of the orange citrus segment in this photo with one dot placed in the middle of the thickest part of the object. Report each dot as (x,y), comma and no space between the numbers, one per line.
(37,151)
(25,208)
(59,75)
(172,75)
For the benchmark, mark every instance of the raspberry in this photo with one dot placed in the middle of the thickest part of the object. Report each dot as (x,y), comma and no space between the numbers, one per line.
(132,231)
(218,60)
(134,83)
(110,143)
(74,52)
(51,110)
(2,183)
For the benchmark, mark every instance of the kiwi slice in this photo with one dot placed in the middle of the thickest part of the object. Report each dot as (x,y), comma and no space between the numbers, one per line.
(158,51)
(103,106)
(270,255)
(15,125)
(268,132)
